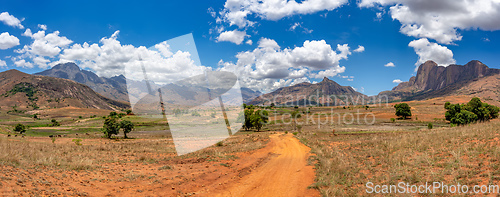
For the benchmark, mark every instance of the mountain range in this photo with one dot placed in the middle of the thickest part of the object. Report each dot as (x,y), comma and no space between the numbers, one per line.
(326,92)
(23,91)
(68,85)
(114,87)
(473,78)
(431,80)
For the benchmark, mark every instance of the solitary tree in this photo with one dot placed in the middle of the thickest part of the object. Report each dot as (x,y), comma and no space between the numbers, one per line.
(248,122)
(111,126)
(127,127)
(403,110)
(259,119)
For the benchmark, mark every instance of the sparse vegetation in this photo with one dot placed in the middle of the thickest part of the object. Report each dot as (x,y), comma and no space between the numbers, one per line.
(20,128)
(77,141)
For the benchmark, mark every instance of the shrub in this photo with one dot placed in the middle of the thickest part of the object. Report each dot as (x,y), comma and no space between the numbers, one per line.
(128,111)
(393,120)
(20,128)
(55,123)
(295,114)
(473,111)
(295,133)
(429,126)
(219,143)
(195,113)
(77,141)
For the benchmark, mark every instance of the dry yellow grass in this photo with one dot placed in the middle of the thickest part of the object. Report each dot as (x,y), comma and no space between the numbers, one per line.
(465,155)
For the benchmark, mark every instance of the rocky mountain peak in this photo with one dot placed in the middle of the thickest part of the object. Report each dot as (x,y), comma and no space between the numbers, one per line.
(70,66)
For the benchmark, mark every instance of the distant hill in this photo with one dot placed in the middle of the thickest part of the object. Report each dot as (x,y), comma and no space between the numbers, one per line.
(326,92)
(248,94)
(114,88)
(473,78)
(26,92)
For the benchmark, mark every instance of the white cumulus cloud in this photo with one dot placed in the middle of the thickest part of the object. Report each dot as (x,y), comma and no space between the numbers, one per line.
(236,12)
(43,27)
(45,45)
(3,64)
(359,49)
(390,64)
(269,67)
(397,81)
(110,58)
(234,36)
(10,20)
(8,41)
(431,51)
(441,20)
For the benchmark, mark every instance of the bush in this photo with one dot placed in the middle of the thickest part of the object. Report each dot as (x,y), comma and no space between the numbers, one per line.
(55,123)
(77,141)
(20,128)
(295,114)
(393,120)
(473,111)
(429,126)
(403,110)
(219,143)
(195,113)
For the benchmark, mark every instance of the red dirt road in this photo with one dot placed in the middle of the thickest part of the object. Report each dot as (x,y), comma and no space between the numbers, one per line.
(284,174)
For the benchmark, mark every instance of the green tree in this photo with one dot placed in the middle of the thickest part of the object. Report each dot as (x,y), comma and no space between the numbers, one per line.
(403,110)
(259,119)
(473,111)
(111,126)
(452,110)
(55,123)
(127,127)
(464,117)
(20,128)
(295,114)
(128,111)
(111,114)
(248,122)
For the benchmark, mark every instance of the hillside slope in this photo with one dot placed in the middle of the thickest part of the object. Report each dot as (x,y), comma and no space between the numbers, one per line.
(326,92)
(431,81)
(113,88)
(25,92)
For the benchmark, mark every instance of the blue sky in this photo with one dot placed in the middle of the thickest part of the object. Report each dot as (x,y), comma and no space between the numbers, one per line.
(272,36)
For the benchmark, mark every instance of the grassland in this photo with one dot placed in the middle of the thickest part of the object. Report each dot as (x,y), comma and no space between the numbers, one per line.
(347,154)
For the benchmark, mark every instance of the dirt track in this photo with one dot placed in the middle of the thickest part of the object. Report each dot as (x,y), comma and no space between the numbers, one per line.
(285,174)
